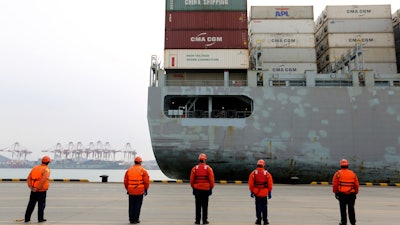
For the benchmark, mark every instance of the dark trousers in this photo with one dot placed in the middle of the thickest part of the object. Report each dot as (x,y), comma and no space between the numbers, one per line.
(40,198)
(261,208)
(347,202)
(135,204)
(201,197)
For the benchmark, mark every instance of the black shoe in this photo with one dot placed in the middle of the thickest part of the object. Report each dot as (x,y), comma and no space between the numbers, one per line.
(342,223)
(258,222)
(206,222)
(195,222)
(42,220)
(266,223)
(27,221)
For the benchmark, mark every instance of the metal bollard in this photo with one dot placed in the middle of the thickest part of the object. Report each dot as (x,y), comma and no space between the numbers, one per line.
(104,178)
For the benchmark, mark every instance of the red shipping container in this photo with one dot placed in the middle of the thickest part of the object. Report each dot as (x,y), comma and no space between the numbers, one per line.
(206,39)
(207,20)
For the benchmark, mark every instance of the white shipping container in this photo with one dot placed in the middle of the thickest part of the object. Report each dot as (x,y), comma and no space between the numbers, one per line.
(337,40)
(289,68)
(206,59)
(348,40)
(282,40)
(354,26)
(294,55)
(371,55)
(354,12)
(281,26)
(282,12)
(380,68)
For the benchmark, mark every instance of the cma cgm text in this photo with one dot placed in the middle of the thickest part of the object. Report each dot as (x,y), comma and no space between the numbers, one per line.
(358,11)
(206,39)
(283,40)
(284,69)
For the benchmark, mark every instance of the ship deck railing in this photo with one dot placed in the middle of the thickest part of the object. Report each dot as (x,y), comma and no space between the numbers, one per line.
(283,83)
(205,83)
(362,78)
(205,114)
(334,83)
(272,83)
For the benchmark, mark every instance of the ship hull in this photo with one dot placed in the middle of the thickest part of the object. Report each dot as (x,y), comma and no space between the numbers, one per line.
(301,132)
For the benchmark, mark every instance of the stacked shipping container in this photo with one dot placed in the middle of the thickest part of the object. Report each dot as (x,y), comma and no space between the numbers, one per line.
(206,35)
(340,28)
(284,35)
(214,35)
(396,30)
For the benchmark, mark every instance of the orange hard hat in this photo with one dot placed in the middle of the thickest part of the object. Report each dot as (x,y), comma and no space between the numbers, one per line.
(138,159)
(202,156)
(344,162)
(261,162)
(45,159)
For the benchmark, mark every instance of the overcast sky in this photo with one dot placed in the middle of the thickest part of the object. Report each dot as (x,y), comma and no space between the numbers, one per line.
(78,70)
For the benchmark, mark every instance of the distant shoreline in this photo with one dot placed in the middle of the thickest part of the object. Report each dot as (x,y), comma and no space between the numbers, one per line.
(78,164)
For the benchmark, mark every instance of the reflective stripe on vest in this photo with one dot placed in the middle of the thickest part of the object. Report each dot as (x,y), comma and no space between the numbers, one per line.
(346,184)
(201,174)
(260,179)
(135,177)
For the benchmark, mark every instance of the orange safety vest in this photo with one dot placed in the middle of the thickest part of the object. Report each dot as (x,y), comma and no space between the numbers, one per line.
(346,181)
(260,179)
(35,178)
(201,174)
(202,177)
(135,184)
(260,182)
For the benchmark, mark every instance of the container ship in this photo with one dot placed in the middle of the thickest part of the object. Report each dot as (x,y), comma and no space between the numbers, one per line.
(277,85)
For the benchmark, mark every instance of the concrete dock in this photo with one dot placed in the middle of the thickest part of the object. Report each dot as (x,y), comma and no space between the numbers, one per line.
(173,204)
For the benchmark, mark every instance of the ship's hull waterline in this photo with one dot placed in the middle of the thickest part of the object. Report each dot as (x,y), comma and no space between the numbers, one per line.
(301,132)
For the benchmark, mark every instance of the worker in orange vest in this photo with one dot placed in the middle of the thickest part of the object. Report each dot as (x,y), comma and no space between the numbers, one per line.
(260,185)
(136,183)
(38,182)
(345,186)
(202,182)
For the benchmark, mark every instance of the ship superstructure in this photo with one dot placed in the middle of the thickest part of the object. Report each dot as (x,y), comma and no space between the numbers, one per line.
(239,105)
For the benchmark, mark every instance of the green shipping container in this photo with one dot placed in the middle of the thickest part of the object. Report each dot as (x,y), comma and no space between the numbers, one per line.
(206,5)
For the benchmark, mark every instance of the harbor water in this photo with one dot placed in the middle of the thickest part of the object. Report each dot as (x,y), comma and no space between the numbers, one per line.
(93,175)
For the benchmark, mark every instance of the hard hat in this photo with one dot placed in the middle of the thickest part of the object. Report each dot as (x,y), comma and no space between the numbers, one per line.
(261,162)
(344,162)
(46,159)
(202,156)
(138,159)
